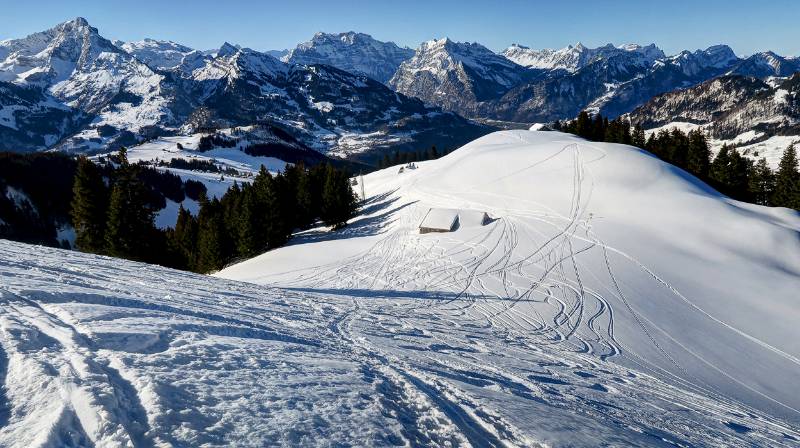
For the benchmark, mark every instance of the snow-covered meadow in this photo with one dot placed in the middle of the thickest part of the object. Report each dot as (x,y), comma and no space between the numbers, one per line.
(612,300)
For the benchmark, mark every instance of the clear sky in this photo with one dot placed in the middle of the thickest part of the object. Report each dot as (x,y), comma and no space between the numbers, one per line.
(747,26)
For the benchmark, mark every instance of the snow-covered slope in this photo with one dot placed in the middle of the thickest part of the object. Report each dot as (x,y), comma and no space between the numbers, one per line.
(352,52)
(600,256)
(613,300)
(165,55)
(598,251)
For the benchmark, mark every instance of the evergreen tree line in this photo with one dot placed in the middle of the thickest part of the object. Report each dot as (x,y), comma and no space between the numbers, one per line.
(39,210)
(399,158)
(729,172)
(117,220)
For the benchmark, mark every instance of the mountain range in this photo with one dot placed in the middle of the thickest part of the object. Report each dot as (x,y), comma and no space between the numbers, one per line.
(344,94)
(69,88)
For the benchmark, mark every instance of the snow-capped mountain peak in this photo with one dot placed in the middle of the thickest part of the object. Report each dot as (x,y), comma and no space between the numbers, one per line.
(52,56)
(159,54)
(227,49)
(353,52)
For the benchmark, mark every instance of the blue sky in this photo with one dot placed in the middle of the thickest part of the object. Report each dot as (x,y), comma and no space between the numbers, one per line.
(748,26)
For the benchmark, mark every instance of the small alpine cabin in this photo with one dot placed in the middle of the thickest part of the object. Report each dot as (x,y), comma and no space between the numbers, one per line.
(451,219)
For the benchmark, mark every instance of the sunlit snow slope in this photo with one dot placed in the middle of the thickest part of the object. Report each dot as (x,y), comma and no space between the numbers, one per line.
(613,300)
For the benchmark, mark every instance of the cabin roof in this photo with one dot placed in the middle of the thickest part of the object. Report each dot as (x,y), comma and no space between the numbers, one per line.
(440,218)
(446,218)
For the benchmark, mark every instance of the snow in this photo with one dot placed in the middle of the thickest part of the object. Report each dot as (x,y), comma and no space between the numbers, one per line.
(168,216)
(614,301)
(781,96)
(770,149)
(65,232)
(7,118)
(440,219)
(679,125)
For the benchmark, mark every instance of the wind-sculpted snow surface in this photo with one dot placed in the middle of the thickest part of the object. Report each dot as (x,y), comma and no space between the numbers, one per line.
(612,300)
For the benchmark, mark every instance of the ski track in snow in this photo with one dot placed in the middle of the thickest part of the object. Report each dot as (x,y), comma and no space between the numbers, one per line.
(464,339)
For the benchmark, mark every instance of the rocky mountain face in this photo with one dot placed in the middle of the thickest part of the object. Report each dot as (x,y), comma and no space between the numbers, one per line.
(457,76)
(69,88)
(328,109)
(352,52)
(664,75)
(546,85)
(556,97)
(560,83)
(728,107)
(69,80)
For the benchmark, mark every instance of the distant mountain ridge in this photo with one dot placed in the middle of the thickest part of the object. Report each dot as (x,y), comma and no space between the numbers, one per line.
(346,93)
(69,88)
(573,58)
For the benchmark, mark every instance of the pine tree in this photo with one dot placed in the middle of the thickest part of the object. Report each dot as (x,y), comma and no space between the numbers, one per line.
(209,237)
(762,183)
(679,149)
(739,176)
(638,137)
(279,211)
(304,202)
(699,154)
(129,227)
(718,171)
(787,181)
(181,240)
(247,242)
(598,128)
(583,125)
(89,207)
(339,201)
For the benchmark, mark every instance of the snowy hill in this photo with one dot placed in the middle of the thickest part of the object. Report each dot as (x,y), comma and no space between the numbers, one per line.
(598,307)
(352,52)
